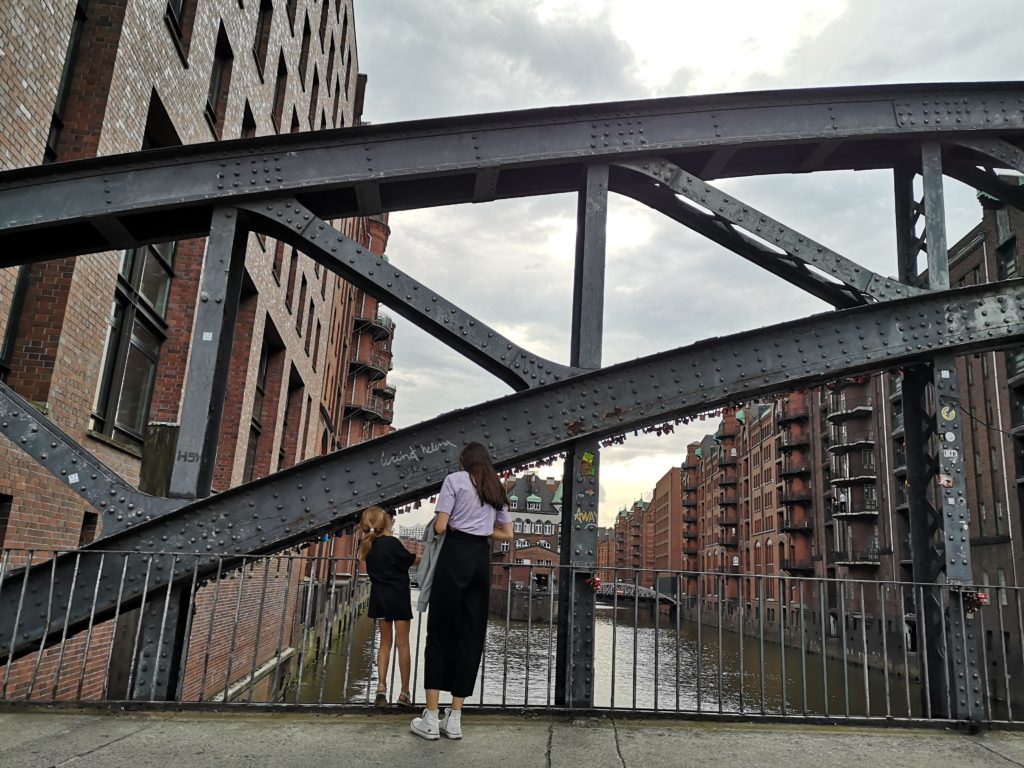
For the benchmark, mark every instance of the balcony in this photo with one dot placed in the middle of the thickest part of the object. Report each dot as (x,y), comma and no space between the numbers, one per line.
(791,440)
(794,524)
(843,440)
(897,422)
(727,478)
(690,485)
(848,406)
(690,518)
(378,407)
(728,430)
(798,564)
(729,519)
(789,467)
(793,412)
(689,501)
(730,542)
(385,390)
(728,461)
(378,323)
(790,495)
(374,363)
(689,533)
(847,470)
(691,549)
(728,499)
(855,508)
(871,558)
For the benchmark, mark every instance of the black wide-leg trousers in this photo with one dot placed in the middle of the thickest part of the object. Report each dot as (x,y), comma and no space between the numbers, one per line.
(457,620)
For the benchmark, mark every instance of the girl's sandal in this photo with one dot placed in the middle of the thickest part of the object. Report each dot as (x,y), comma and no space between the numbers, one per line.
(404,700)
(381,700)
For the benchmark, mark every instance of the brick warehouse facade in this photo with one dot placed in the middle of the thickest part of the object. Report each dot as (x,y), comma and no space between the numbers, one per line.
(812,483)
(101,343)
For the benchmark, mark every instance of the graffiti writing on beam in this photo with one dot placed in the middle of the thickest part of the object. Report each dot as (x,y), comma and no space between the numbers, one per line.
(414,452)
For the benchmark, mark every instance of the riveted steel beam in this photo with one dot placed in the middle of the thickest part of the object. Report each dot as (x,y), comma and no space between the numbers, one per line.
(292,222)
(661,199)
(120,505)
(798,247)
(47,211)
(321,494)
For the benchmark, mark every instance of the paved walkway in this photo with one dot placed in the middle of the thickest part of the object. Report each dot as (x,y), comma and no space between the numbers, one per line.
(43,739)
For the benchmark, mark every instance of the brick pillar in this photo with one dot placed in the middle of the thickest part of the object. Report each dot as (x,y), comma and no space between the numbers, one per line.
(238,377)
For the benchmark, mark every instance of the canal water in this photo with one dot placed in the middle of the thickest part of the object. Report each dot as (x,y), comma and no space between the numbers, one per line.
(641,662)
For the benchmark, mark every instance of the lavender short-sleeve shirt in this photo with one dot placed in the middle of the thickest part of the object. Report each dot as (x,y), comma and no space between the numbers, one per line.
(466,513)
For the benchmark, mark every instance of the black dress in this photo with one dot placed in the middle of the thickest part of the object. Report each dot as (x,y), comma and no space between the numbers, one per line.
(387,565)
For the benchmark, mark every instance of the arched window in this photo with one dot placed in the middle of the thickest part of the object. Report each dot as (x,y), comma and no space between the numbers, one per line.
(548,529)
(504,546)
(544,544)
(517,526)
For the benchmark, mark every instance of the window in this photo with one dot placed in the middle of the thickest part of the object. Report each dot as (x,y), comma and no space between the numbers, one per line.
(220,82)
(302,306)
(304,51)
(295,127)
(1001,575)
(533,506)
(1002,223)
(513,502)
(348,74)
(309,325)
(264,23)
(330,64)
(248,123)
(135,333)
(544,544)
(289,7)
(344,28)
(314,98)
(325,9)
(548,529)
(316,345)
(179,17)
(6,505)
(64,86)
(1007,265)
(504,546)
(517,526)
(337,103)
(280,88)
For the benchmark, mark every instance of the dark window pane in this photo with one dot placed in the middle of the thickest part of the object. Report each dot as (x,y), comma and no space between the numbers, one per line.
(155,284)
(110,358)
(137,384)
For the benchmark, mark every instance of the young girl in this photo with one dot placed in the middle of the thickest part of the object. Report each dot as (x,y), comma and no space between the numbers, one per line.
(387,564)
(473,508)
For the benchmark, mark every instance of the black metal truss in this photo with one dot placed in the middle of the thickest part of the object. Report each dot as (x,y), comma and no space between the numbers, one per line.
(116,202)
(292,222)
(799,250)
(321,494)
(120,505)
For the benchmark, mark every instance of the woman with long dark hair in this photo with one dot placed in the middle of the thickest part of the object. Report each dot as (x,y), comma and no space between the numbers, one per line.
(472,508)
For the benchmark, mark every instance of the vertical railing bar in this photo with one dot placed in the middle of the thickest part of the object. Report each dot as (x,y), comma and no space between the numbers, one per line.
(310,568)
(352,602)
(209,628)
(329,630)
(846,650)
(276,682)
(187,643)
(657,623)
(259,629)
(721,659)
(864,650)
(1002,643)
(1020,620)
(984,653)
(163,628)
(760,580)
(551,633)
(570,667)
(416,661)
(802,583)
(922,648)
(880,590)
(508,617)
(88,632)
(636,628)
(700,633)
(822,584)
(743,636)
(906,651)
(615,621)
(46,626)
(782,642)
(678,631)
(117,614)
(64,632)
(129,694)
(529,629)
(17,620)
(943,605)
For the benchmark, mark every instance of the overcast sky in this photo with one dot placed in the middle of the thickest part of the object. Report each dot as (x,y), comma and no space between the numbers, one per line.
(510,262)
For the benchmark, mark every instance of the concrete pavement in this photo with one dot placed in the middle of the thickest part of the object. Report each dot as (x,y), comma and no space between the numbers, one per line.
(38,739)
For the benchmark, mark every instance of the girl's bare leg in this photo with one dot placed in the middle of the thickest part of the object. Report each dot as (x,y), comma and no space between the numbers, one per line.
(384,653)
(402,642)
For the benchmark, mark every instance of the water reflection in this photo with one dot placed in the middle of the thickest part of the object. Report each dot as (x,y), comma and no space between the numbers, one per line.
(643,661)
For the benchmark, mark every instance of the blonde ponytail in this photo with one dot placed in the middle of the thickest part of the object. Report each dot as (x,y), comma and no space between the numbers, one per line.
(372,522)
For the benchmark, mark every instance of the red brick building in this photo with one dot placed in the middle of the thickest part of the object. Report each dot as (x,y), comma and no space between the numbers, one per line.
(100,343)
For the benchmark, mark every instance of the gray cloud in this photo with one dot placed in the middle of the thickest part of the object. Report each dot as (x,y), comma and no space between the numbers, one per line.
(510,263)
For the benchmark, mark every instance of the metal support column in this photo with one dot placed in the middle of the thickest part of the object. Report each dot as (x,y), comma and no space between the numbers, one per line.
(951,494)
(938,513)
(574,684)
(162,636)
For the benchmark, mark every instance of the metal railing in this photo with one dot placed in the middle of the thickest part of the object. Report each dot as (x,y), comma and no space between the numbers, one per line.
(291,630)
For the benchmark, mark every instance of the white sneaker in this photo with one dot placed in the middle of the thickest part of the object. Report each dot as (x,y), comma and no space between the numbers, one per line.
(426,727)
(451,724)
